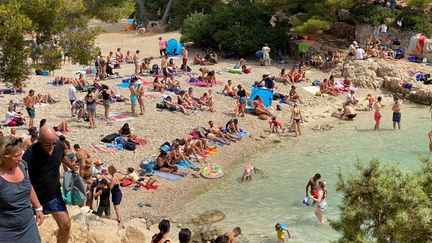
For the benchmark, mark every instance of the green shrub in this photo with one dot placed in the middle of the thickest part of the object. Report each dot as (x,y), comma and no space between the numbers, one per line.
(419,4)
(236,28)
(415,21)
(312,27)
(372,14)
(182,9)
(196,28)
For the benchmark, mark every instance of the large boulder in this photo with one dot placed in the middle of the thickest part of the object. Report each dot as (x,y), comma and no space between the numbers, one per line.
(343,30)
(89,228)
(209,217)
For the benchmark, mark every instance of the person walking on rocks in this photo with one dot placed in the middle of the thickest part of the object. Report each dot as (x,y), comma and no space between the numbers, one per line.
(396,113)
(44,159)
(377,113)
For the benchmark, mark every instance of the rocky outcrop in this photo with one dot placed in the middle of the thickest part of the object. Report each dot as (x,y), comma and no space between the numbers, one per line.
(209,217)
(378,73)
(87,227)
(343,30)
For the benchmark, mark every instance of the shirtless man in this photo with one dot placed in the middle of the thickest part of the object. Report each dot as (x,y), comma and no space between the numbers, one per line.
(348,111)
(30,102)
(184,54)
(230,90)
(208,75)
(312,183)
(173,83)
(140,93)
(396,113)
(164,67)
(119,56)
(215,130)
(233,235)
(136,61)
(377,114)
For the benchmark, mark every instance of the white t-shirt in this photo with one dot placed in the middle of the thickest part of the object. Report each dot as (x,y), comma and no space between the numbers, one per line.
(9,116)
(72,92)
(360,54)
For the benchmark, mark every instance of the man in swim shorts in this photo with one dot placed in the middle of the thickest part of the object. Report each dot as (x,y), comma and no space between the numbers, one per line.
(312,183)
(396,113)
(30,102)
(377,114)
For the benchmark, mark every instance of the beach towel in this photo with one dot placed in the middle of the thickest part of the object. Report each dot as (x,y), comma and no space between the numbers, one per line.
(105,148)
(118,116)
(52,83)
(171,177)
(186,164)
(204,84)
(125,85)
(312,89)
(242,134)
(176,57)
(339,85)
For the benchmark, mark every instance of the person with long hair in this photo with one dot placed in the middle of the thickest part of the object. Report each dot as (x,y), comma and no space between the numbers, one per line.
(107,95)
(90,100)
(116,193)
(17,196)
(133,94)
(164,229)
(241,101)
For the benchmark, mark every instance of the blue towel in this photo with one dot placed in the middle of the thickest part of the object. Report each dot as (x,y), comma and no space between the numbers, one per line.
(216,143)
(186,164)
(125,85)
(170,177)
(242,134)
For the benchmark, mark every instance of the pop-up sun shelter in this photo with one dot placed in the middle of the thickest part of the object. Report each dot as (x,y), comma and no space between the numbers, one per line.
(265,94)
(174,47)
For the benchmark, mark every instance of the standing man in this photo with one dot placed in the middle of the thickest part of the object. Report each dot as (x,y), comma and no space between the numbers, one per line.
(377,114)
(396,113)
(185,58)
(164,67)
(162,47)
(312,183)
(72,96)
(44,159)
(136,61)
(30,102)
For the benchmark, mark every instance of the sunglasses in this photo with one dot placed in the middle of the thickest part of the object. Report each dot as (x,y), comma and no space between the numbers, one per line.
(53,144)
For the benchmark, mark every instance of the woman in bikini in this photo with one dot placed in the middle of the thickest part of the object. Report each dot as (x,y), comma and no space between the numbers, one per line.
(321,201)
(158,86)
(296,118)
(283,77)
(164,163)
(260,109)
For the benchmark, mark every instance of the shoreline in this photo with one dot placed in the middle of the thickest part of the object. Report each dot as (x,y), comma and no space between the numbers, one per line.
(160,126)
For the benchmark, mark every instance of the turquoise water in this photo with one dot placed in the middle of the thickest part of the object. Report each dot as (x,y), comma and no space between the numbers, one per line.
(276,195)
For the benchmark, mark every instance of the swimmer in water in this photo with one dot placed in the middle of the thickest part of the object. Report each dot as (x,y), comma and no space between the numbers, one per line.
(430,140)
(312,183)
(247,175)
(280,231)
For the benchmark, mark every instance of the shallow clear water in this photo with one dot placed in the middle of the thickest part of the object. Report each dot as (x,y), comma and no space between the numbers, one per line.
(276,196)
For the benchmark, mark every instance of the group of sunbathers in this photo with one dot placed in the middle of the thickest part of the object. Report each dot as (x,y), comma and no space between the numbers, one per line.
(328,86)
(186,101)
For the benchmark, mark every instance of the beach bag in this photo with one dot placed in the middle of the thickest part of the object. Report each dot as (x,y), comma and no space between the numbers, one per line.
(193,80)
(155,69)
(397,42)
(399,54)
(74,192)
(316,82)
(188,69)
(259,54)
(129,146)
(109,138)
(160,105)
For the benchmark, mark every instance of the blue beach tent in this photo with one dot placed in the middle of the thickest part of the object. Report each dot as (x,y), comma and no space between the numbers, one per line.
(265,94)
(174,47)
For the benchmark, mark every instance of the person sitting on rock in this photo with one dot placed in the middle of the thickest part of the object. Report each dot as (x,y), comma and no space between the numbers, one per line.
(348,111)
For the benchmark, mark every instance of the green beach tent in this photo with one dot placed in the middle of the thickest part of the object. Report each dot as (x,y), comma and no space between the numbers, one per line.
(304,47)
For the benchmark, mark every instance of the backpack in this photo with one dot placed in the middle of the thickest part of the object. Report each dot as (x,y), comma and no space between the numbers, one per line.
(74,192)
(109,138)
(155,69)
(129,146)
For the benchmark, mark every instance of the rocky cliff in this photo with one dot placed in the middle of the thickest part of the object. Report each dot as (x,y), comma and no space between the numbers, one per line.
(388,74)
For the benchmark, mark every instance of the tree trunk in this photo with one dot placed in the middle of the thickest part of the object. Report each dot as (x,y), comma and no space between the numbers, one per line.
(167,13)
(142,11)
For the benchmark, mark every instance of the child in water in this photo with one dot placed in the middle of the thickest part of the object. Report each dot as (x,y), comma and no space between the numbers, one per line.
(371,100)
(247,175)
(275,125)
(280,232)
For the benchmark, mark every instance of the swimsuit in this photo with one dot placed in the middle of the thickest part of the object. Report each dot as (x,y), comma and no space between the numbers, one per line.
(31,112)
(377,117)
(396,117)
(134,99)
